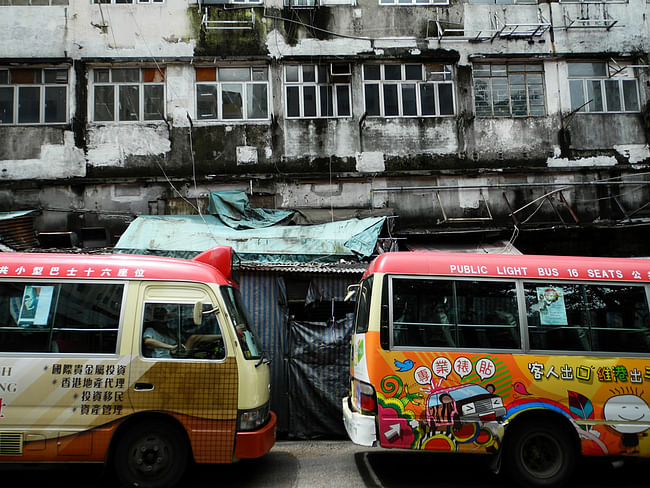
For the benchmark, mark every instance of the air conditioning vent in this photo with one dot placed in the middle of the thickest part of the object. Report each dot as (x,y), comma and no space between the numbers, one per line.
(11,444)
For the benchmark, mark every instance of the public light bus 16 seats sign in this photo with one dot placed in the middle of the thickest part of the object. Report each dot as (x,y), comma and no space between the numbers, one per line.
(533,359)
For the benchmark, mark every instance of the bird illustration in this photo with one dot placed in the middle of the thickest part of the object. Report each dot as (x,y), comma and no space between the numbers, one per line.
(520,388)
(403,366)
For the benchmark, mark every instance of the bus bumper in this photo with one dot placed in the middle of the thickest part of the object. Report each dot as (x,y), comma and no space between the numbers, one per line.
(257,442)
(360,428)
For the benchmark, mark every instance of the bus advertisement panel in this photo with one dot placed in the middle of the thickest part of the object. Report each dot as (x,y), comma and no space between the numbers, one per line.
(535,359)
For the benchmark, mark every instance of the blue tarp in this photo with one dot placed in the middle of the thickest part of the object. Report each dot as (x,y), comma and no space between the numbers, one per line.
(234,210)
(187,235)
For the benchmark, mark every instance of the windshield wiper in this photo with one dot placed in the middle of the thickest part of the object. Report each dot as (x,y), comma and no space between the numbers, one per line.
(263,360)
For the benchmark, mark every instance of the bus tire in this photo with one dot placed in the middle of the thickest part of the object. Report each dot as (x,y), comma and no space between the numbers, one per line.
(539,454)
(151,455)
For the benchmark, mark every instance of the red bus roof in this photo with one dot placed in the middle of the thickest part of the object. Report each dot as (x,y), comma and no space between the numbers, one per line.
(212,266)
(512,266)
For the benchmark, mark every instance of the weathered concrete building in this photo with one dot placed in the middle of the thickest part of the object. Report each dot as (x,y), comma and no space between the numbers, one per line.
(473,116)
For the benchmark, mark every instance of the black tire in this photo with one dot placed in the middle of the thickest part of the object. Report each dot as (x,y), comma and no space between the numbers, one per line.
(539,454)
(151,455)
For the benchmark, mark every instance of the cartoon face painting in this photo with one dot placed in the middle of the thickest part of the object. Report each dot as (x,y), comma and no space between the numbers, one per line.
(628,408)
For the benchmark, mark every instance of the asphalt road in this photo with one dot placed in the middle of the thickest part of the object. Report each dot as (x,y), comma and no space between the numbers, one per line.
(336,464)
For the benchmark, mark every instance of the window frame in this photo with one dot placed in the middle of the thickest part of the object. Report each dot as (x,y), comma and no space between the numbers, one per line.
(588,82)
(405,81)
(41,83)
(512,71)
(116,88)
(324,79)
(217,85)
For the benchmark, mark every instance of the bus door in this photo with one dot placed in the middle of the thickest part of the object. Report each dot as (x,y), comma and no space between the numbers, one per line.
(185,368)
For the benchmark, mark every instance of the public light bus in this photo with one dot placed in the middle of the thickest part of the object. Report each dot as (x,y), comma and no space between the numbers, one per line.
(144,363)
(534,359)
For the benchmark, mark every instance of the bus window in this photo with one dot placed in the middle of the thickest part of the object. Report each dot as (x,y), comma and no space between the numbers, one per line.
(60,317)
(169,332)
(249,345)
(587,317)
(362,315)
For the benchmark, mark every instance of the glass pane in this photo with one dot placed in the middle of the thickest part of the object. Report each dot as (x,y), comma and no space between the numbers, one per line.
(587,70)
(326,101)
(630,96)
(232,96)
(129,102)
(241,322)
(428,98)
(482,97)
(391,102)
(102,75)
(446,98)
(309,73)
(6,105)
(501,98)
(104,103)
(55,104)
(29,104)
(206,101)
(518,98)
(309,95)
(409,102)
(372,99)
(420,313)
(536,100)
(613,96)
(392,72)
(413,72)
(487,315)
(125,75)
(480,70)
(293,101)
(371,72)
(576,89)
(4,77)
(154,104)
(257,102)
(56,75)
(343,101)
(291,73)
(260,73)
(234,74)
(595,95)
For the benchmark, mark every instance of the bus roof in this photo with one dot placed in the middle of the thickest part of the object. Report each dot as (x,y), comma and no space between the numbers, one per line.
(511,266)
(212,266)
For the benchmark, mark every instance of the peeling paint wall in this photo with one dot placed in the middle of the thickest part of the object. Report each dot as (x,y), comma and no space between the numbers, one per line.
(126,168)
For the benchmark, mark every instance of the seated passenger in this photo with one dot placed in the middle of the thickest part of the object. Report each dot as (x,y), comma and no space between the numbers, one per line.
(158,339)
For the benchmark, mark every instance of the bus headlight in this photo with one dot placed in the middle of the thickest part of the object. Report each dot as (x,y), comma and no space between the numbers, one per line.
(253,418)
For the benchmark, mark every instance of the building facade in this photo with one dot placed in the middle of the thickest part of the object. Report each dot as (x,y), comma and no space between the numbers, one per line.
(458,117)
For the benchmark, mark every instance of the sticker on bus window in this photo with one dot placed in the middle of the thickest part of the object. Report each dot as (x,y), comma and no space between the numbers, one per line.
(551,306)
(35,308)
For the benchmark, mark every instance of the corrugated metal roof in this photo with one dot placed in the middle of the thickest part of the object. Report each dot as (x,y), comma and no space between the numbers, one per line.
(336,268)
(17,230)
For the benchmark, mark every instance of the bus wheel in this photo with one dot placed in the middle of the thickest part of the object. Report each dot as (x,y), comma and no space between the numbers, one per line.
(539,454)
(151,455)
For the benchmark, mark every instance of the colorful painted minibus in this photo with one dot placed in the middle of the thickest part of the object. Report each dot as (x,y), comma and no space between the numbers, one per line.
(534,359)
(143,363)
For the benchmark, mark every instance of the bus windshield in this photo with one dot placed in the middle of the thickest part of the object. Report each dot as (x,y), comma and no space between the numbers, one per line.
(240,320)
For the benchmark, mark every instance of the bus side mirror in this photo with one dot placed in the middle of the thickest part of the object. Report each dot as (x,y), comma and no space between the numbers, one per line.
(351,291)
(201,309)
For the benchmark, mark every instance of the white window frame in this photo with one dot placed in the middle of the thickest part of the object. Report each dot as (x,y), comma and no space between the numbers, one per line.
(327,77)
(258,76)
(43,86)
(511,73)
(127,2)
(411,3)
(600,85)
(427,77)
(118,86)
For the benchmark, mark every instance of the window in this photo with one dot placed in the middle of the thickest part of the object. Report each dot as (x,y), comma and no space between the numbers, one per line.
(60,317)
(503,2)
(33,95)
(413,3)
(249,344)
(577,317)
(232,93)
(508,90)
(597,87)
(445,313)
(362,315)
(34,2)
(127,1)
(128,94)
(169,332)
(408,90)
(315,91)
